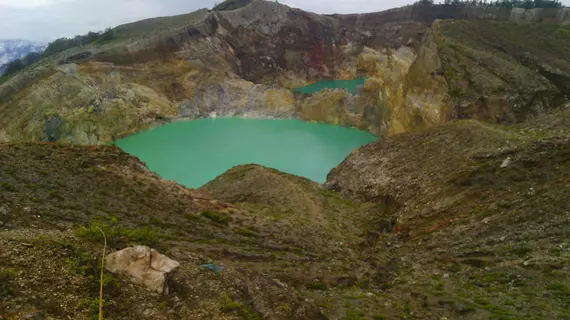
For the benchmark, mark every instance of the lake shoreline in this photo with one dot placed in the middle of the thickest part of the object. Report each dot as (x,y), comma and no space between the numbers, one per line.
(195,152)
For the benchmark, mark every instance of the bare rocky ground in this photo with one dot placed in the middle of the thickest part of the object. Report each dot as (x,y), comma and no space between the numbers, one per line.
(463,221)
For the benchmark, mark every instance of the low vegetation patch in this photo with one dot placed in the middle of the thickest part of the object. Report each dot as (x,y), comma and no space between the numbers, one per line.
(217,217)
(117,236)
(244,311)
(6,277)
(317,286)
(248,231)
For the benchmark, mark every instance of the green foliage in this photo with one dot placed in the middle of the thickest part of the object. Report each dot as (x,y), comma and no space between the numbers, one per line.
(82,262)
(352,314)
(10,273)
(245,312)
(85,261)
(17,65)
(218,217)
(559,290)
(191,216)
(108,35)
(4,78)
(248,231)
(8,187)
(521,251)
(317,286)
(117,235)
(94,308)
(55,195)
(63,44)
(6,277)
(494,309)
(455,92)
(284,308)
(456,267)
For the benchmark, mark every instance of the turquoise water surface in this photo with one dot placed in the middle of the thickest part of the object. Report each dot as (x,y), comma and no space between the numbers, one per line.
(349,85)
(195,152)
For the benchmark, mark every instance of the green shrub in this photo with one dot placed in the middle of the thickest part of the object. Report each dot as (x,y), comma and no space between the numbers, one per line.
(456,267)
(217,217)
(248,232)
(6,278)
(8,187)
(117,235)
(354,315)
(317,286)
(55,195)
(244,311)
(521,251)
(559,290)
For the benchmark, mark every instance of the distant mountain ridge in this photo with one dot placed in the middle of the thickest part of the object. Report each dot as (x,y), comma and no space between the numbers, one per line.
(13,49)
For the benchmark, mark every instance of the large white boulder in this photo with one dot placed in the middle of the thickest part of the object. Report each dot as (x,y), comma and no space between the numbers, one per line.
(143,265)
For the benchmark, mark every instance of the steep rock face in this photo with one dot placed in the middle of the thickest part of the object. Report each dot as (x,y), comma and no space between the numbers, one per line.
(407,166)
(409,94)
(73,105)
(520,73)
(420,71)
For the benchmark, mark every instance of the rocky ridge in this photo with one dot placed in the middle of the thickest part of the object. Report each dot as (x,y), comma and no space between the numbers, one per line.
(425,65)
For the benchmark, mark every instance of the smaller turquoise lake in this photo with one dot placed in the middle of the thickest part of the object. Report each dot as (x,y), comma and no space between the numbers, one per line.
(350,85)
(196,152)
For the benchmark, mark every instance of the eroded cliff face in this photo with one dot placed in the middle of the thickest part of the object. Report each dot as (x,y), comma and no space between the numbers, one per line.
(420,71)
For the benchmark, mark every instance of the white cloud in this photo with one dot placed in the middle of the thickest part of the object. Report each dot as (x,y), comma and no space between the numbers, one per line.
(46,20)
(28,3)
(288,3)
(346,6)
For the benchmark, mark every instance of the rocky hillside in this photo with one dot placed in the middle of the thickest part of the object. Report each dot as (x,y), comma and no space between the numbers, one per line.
(479,214)
(462,221)
(425,65)
(53,198)
(460,212)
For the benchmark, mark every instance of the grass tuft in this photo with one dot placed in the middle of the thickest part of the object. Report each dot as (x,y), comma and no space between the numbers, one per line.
(117,236)
(217,217)
(244,311)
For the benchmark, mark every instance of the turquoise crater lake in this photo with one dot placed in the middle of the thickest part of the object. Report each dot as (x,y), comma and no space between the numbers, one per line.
(350,85)
(195,152)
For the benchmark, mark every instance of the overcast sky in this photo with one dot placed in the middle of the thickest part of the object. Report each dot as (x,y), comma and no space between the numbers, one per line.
(45,20)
